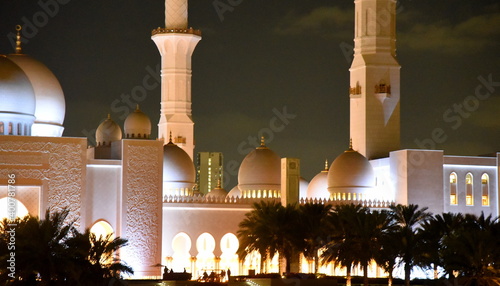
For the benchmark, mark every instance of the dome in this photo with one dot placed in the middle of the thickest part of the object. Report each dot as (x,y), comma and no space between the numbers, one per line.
(351,172)
(17,108)
(235,192)
(179,174)
(217,192)
(318,187)
(50,104)
(137,125)
(260,171)
(107,132)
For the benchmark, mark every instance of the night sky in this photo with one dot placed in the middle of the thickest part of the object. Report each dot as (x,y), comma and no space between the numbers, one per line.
(261,58)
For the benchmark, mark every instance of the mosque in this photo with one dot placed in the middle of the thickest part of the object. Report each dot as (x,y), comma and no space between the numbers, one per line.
(144,189)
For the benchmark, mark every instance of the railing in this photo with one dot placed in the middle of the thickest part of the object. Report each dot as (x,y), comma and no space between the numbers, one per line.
(201,199)
(160,30)
(382,88)
(355,90)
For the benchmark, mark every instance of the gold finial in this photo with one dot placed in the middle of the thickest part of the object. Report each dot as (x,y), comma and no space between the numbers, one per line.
(326,165)
(109,116)
(219,184)
(170,139)
(19,49)
(350,145)
(262,141)
(137,107)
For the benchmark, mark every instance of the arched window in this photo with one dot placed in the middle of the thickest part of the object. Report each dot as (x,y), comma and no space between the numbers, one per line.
(485,196)
(229,259)
(469,197)
(453,189)
(181,244)
(205,244)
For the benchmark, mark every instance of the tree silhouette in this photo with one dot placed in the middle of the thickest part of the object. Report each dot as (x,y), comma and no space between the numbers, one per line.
(407,221)
(268,229)
(54,252)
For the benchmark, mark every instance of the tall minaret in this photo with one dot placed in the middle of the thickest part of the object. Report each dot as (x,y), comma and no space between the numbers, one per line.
(176,44)
(374,85)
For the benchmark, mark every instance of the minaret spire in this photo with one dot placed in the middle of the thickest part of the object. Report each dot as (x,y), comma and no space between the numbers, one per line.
(19,49)
(176,44)
(375,81)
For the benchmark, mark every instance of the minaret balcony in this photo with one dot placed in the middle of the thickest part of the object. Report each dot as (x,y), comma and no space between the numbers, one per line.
(382,92)
(160,30)
(355,92)
(382,88)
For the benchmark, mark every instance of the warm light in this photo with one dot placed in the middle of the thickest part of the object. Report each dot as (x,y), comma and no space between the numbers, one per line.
(453,178)
(485,201)
(468,192)
(20,209)
(453,199)
(468,200)
(102,229)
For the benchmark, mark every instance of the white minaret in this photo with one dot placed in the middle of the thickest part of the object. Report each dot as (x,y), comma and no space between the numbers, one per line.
(374,85)
(176,44)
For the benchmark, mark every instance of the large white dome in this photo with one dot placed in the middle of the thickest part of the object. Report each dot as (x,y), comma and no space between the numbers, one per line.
(260,171)
(17,99)
(351,173)
(179,174)
(50,104)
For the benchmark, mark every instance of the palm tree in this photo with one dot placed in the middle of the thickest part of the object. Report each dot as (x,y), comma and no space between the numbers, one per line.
(473,250)
(97,257)
(313,229)
(387,257)
(58,254)
(269,229)
(371,228)
(433,231)
(343,248)
(407,221)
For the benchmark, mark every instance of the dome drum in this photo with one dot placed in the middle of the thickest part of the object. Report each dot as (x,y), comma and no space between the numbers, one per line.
(16,124)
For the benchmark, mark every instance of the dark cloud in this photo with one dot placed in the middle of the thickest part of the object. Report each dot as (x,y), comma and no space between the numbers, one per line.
(323,21)
(471,35)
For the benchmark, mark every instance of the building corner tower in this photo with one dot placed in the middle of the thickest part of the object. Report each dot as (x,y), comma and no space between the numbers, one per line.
(375,83)
(176,43)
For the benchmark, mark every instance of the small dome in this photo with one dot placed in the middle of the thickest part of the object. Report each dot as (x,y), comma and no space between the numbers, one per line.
(217,192)
(50,103)
(17,98)
(179,174)
(260,170)
(235,192)
(137,125)
(318,187)
(107,132)
(351,172)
